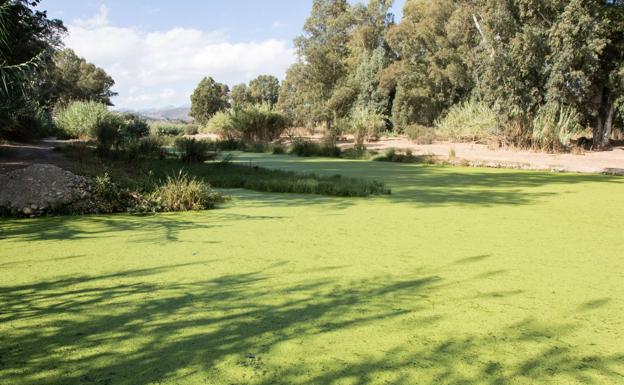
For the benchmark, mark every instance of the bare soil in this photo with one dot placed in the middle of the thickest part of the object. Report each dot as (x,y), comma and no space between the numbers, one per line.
(611,162)
(20,155)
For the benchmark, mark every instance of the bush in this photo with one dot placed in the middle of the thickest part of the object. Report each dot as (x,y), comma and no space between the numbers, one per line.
(108,132)
(221,124)
(469,121)
(191,129)
(81,119)
(166,129)
(364,124)
(420,134)
(134,127)
(359,153)
(182,193)
(192,150)
(257,123)
(278,149)
(554,126)
(392,155)
(308,148)
(147,147)
(230,145)
(304,148)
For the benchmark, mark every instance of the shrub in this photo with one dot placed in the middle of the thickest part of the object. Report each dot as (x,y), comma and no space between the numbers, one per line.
(230,145)
(468,121)
(108,196)
(278,149)
(182,193)
(359,153)
(134,127)
(258,147)
(221,124)
(364,124)
(191,129)
(392,155)
(148,147)
(420,134)
(108,132)
(166,129)
(81,119)
(192,150)
(257,123)
(308,148)
(304,148)
(554,126)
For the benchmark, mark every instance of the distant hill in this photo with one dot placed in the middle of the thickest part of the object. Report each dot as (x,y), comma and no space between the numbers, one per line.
(165,113)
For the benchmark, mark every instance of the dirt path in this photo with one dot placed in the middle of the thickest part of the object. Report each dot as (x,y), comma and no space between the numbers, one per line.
(480,155)
(19,155)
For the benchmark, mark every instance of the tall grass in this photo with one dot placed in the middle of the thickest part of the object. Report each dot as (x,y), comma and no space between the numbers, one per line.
(82,119)
(554,126)
(183,193)
(468,121)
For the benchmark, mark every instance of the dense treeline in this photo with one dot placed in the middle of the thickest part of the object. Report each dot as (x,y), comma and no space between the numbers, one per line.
(37,74)
(547,69)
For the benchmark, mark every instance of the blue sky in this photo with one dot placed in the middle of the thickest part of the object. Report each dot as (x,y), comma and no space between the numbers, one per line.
(158,50)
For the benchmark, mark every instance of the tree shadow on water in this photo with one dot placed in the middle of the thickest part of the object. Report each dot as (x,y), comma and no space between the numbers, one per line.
(127,328)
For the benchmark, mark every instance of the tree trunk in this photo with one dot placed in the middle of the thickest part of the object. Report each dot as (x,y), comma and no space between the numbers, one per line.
(602,129)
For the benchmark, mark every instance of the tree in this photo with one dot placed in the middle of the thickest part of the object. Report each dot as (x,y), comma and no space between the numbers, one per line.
(264,89)
(240,96)
(432,45)
(323,51)
(209,98)
(27,40)
(72,78)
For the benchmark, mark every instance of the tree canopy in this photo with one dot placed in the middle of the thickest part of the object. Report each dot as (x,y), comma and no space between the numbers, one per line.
(209,98)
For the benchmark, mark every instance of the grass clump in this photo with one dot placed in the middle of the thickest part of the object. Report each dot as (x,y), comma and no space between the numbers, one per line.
(420,134)
(232,175)
(393,155)
(306,148)
(193,151)
(82,119)
(184,193)
(554,126)
(469,121)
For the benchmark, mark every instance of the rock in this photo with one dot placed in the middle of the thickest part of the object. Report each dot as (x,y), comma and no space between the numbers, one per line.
(40,188)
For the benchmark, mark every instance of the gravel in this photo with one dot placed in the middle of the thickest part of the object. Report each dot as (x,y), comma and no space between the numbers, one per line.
(40,189)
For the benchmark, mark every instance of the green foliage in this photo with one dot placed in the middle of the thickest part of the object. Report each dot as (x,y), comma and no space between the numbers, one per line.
(278,181)
(240,96)
(554,126)
(366,123)
(278,149)
(392,155)
(183,193)
(109,132)
(209,98)
(192,150)
(264,90)
(420,134)
(69,78)
(172,129)
(133,127)
(82,119)
(220,124)
(257,123)
(468,121)
(306,148)
(27,38)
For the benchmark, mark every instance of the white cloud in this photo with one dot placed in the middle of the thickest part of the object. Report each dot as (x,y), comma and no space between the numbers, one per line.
(158,68)
(98,20)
